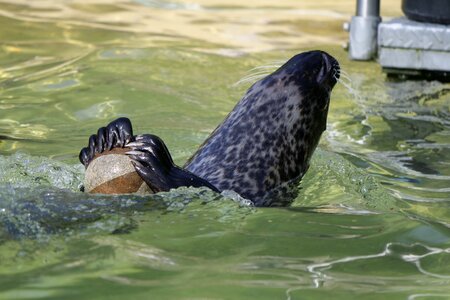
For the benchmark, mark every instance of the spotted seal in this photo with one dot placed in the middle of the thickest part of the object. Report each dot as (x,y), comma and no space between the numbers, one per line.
(262,148)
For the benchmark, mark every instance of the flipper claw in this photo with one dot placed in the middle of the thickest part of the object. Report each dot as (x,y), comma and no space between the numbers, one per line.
(84,156)
(135,144)
(116,134)
(154,164)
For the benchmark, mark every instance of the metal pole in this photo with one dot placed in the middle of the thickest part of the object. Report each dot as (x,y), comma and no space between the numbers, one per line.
(368,8)
(363,30)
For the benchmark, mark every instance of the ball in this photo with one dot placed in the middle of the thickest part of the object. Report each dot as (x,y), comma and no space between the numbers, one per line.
(111,172)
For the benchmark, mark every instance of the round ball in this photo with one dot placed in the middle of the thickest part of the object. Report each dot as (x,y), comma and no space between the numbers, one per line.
(112,172)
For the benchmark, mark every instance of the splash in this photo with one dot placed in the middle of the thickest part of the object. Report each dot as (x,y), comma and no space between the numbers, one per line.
(40,196)
(343,188)
(22,170)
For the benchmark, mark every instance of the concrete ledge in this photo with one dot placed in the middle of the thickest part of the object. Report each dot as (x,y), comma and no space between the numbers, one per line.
(414,59)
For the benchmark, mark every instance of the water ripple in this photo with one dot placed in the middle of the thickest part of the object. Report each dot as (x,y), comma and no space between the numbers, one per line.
(407,252)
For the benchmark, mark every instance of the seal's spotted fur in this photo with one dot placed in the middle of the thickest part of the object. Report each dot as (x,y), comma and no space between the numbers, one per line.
(261,149)
(269,137)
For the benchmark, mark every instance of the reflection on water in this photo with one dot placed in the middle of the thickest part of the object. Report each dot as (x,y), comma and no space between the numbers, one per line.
(372,217)
(399,131)
(408,253)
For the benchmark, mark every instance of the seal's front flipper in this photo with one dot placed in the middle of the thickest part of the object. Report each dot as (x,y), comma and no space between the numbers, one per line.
(117,134)
(154,164)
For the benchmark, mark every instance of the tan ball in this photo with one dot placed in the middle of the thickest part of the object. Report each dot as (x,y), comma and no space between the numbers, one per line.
(112,172)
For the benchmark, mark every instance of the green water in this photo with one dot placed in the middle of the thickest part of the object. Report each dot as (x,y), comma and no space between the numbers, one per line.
(373,213)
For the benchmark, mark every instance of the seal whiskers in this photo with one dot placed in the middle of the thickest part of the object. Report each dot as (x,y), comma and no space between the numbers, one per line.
(259,72)
(344,79)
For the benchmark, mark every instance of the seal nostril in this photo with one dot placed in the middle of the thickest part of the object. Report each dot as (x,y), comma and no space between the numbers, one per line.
(329,67)
(326,59)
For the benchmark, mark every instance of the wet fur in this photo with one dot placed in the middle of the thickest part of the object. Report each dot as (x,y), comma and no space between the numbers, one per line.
(266,142)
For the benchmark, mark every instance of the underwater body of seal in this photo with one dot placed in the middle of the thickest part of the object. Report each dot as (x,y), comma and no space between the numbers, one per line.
(371,219)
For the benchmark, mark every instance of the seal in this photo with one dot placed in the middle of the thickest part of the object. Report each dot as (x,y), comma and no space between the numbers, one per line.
(261,150)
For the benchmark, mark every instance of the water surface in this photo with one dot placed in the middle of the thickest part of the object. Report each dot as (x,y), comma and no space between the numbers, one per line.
(373,213)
